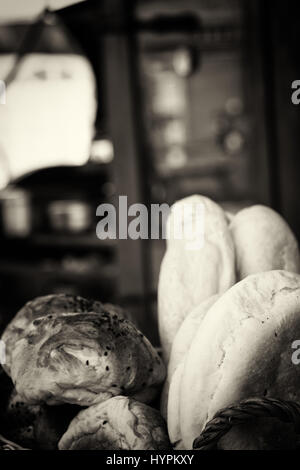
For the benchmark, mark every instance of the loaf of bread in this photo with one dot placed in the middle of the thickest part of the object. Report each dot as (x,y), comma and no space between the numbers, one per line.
(119,423)
(43,306)
(182,343)
(84,358)
(263,241)
(198,263)
(243,349)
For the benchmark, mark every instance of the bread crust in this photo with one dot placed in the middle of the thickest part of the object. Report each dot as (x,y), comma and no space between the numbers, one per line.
(263,242)
(46,305)
(84,358)
(182,343)
(189,276)
(173,407)
(119,423)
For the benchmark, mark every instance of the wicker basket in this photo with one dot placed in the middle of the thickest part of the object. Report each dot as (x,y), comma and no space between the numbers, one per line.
(243,412)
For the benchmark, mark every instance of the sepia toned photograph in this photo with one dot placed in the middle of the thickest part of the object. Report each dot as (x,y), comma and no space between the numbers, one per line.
(149,228)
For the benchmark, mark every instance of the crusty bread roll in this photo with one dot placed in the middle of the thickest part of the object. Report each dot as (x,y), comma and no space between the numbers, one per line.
(84,358)
(242,349)
(119,423)
(263,242)
(182,343)
(43,306)
(196,266)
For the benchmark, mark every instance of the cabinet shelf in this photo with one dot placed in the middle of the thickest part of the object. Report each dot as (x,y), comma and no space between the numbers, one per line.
(86,242)
(20,268)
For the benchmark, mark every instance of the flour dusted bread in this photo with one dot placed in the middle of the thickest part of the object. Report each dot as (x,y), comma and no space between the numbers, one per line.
(263,242)
(182,343)
(187,331)
(119,423)
(243,349)
(43,306)
(196,265)
(84,358)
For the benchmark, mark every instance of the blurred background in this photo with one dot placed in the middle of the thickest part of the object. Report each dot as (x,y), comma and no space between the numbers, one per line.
(152,99)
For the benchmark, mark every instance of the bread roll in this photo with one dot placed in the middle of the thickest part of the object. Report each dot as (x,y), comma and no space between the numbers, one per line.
(243,349)
(187,331)
(43,306)
(263,242)
(182,343)
(84,358)
(119,423)
(173,408)
(195,266)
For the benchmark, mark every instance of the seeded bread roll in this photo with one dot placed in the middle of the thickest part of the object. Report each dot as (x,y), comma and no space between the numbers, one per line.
(119,423)
(263,242)
(197,264)
(43,306)
(84,358)
(243,349)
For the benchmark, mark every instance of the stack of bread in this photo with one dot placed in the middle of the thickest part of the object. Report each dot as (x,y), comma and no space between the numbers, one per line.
(83,377)
(229,314)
